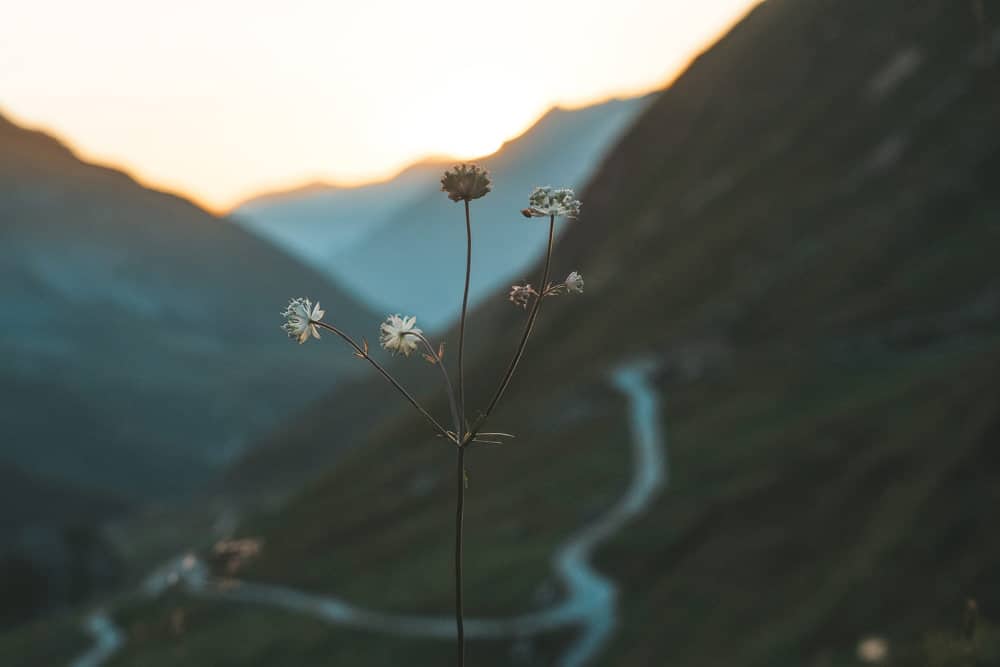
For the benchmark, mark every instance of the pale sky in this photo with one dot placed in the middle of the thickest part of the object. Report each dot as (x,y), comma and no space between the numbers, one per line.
(222,99)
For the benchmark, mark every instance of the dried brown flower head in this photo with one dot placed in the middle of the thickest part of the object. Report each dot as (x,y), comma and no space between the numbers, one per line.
(465,182)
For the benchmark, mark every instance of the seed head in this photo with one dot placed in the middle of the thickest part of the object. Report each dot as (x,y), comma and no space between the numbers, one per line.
(465,182)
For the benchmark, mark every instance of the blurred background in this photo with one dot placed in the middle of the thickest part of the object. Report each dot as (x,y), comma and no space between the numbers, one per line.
(791,223)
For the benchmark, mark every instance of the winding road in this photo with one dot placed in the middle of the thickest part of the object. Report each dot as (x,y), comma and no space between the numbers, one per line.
(590,603)
(108,638)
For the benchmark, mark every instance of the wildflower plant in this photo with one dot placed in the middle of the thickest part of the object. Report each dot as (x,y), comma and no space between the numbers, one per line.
(399,335)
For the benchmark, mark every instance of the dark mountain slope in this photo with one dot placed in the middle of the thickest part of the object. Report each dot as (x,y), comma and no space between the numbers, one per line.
(139,346)
(50,549)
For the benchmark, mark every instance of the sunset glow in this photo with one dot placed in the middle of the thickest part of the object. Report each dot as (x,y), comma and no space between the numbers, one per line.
(219,99)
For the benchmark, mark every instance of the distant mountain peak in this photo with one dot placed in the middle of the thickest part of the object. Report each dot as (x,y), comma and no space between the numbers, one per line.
(347,233)
(320,187)
(14,136)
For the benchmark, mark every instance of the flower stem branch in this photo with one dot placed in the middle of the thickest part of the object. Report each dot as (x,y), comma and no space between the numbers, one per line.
(362,352)
(532,314)
(452,403)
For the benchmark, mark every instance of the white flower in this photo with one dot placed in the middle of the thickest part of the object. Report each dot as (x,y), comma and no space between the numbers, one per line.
(548,201)
(574,282)
(301,318)
(873,649)
(394,334)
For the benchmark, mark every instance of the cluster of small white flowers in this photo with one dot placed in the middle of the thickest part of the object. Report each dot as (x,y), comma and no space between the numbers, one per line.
(399,334)
(395,334)
(574,283)
(521,294)
(547,201)
(301,316)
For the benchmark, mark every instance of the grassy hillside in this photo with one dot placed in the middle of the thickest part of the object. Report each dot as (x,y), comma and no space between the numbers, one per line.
(54,640)
(802,231)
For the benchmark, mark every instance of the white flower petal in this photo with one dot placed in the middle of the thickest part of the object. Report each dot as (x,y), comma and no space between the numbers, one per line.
(394,334)
(299,318)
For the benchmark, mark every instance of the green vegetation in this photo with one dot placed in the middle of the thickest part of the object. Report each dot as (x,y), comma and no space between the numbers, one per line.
(975,644)
(56,640)
(398,521)
(854,504)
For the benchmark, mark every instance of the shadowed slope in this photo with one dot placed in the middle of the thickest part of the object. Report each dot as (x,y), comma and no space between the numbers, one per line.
(140,345)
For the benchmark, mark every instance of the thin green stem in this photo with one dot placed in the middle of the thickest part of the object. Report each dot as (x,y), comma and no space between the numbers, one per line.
(505,381)
(461,322)
(459,621)
(460,510)
(460,435)
(363,353)
(452,403)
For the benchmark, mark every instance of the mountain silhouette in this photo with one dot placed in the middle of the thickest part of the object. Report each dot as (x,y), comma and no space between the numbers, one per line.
(140,343)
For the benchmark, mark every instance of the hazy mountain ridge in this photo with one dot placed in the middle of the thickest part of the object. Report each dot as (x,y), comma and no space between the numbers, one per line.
(374,238)
(317,222)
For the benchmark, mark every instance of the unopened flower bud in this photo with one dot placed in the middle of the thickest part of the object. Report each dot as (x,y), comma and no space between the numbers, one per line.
(547,201)
(521,294)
